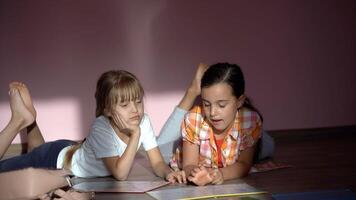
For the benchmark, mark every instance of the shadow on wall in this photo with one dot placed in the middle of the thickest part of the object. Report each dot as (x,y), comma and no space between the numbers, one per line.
(59,51)
(288,52)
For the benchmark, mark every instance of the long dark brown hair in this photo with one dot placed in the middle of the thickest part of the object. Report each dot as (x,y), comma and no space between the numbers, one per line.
(233,76)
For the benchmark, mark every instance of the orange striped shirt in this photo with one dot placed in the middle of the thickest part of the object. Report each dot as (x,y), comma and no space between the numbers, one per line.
(244,133)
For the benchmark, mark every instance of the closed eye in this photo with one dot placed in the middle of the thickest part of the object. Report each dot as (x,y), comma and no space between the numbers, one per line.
(222,106)
(124,104)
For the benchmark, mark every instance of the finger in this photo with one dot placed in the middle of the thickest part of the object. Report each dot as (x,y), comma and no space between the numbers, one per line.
(44,197)
(64,195)
(191,178)
(196,170)
(181,178)
(219,181)
(121,124)
(216,182)
(60,192)
(184,177)
(215,179)
(117,120)
(171,180)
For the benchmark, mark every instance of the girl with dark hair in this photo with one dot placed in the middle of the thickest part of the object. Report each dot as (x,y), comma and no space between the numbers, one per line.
(220,135)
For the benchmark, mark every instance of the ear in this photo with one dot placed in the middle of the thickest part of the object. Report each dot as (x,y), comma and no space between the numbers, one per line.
(241,101)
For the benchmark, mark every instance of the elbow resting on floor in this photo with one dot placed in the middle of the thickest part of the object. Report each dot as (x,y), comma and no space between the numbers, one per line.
(121,177)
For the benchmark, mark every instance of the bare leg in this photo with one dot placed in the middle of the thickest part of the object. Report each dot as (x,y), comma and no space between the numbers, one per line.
(194,90)
(170,133)
(34,135)
(21,117)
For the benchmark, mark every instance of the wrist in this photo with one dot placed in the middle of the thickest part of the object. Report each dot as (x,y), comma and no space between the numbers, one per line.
(135,135)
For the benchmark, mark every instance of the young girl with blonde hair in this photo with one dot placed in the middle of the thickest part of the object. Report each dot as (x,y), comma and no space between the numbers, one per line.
(120,127)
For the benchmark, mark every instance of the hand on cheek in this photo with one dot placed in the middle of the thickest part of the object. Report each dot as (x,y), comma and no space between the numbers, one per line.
(123,126)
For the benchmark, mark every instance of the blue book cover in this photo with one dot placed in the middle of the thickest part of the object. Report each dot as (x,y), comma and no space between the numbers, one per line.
(343,194)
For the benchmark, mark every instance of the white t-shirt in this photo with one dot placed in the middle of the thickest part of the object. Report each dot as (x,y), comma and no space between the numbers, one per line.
(102,142)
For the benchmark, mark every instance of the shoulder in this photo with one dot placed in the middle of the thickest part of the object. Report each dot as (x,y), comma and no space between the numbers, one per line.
(146,126)
(196,110)
(194,115)
(101,121)
(248,118)
(148,136)
(194,126)
(101,125)
(145,121)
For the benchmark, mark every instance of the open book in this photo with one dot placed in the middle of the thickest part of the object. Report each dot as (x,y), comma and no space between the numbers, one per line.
(203,192)
(119,186)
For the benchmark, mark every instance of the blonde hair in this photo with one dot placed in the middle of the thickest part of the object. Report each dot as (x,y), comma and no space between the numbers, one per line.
(113,86)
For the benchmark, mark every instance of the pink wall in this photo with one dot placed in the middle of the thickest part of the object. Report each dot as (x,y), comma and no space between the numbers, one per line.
(298,56)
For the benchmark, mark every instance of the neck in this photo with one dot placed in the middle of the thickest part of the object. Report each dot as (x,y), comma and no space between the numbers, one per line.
(219,134)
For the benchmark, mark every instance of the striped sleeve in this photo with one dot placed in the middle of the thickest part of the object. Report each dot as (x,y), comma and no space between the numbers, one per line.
(251,128)
(190,128)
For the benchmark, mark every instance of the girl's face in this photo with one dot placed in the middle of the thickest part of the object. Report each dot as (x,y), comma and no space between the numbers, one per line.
(130,112)
(220,106)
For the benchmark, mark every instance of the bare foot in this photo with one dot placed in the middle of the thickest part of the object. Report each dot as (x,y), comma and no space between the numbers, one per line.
(195,85)
(25,95)
(200,176)
(21,115)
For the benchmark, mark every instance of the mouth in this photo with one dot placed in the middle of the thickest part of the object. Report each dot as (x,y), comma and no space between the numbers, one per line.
(216,121)
(135,118)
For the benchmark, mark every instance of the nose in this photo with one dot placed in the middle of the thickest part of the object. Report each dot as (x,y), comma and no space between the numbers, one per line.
(134,107)
(213,110)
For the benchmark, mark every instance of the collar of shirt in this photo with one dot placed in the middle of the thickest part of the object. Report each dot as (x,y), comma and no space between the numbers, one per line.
(207,130)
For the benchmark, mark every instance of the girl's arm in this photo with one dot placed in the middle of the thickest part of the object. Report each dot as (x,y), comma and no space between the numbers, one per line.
(171,129)
(190,157)
(242,167)
(194,89)
(120,166)
(161,169)
(156,160)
